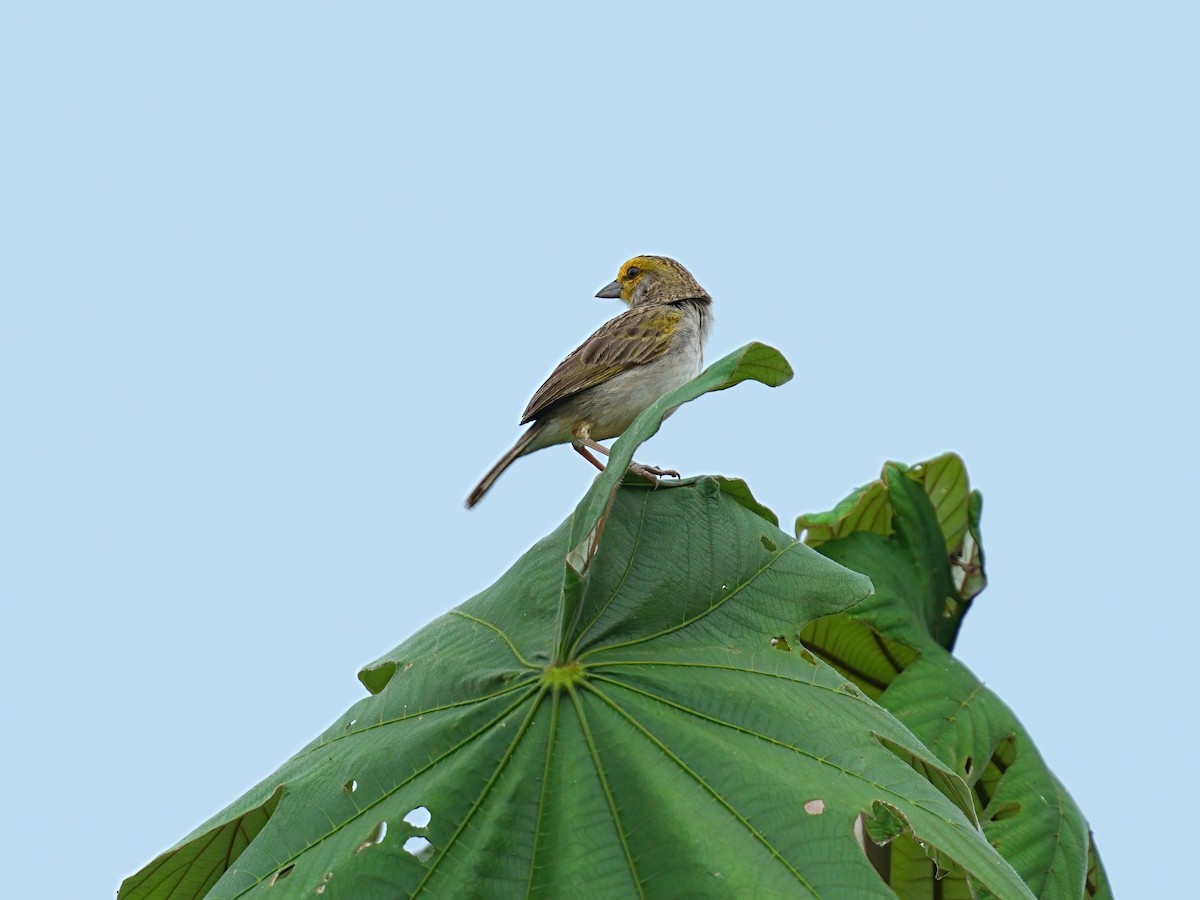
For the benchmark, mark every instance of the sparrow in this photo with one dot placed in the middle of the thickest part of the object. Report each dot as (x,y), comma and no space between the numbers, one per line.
(629,362)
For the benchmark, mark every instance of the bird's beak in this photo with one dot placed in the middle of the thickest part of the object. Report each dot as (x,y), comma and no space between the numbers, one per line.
(610,291)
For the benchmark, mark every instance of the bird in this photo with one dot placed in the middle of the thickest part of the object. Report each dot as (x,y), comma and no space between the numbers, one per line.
(628,363)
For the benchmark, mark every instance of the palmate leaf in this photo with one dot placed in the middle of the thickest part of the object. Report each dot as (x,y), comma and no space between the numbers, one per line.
(628,719)
(922,562)
(676,753)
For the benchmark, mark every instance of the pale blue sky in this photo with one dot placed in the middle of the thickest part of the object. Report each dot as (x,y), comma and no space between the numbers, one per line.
(277,279)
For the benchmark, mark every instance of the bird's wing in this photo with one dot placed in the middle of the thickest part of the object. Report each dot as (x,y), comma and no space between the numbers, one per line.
(635,337)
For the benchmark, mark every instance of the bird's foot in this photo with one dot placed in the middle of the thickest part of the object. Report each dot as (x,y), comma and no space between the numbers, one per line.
(652,473)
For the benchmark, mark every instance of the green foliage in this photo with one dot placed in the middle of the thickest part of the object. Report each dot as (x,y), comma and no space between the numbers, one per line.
(915,532)
(632,710)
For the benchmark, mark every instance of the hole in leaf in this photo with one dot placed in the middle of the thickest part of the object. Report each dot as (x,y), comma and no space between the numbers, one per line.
(968,766)
(418,817)
(281,874)
(378,833)
(878,854)
(889,840)
(815,807)
(768,543)
(807,655)
(350,786)
(1005,811)
(992,774)
(779,642)
(419,847)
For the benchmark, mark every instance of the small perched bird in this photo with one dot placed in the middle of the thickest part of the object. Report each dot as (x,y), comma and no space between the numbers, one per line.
(648,350)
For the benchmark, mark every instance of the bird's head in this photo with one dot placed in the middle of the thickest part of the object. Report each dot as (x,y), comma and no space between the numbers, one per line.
(653,279)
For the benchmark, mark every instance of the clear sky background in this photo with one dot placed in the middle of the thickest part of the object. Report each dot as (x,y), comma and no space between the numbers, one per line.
(277,279)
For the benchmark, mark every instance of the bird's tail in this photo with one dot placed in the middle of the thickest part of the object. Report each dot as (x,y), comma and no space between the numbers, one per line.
(520,448)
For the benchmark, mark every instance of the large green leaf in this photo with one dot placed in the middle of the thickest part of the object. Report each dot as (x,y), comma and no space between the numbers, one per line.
(915,532)
(680,747)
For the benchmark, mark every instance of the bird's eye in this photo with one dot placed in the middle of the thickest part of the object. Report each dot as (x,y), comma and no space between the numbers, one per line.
(633,272)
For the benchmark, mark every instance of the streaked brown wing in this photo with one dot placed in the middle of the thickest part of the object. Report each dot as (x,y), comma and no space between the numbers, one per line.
(634,338)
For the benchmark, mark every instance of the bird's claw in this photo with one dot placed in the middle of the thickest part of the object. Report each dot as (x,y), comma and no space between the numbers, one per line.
(652,473)
(655,470)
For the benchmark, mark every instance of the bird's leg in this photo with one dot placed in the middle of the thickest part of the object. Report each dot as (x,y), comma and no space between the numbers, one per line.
(582,451)
(583,440)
